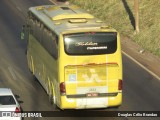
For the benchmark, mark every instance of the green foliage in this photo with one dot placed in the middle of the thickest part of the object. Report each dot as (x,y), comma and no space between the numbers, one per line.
(120,15)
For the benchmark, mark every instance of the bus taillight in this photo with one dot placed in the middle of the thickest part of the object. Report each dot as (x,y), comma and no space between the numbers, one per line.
(62,88)
(120,84)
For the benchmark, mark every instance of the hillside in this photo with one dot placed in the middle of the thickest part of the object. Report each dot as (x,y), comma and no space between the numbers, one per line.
(120,15)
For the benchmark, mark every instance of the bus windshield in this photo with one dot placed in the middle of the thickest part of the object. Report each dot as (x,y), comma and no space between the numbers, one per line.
(90,43)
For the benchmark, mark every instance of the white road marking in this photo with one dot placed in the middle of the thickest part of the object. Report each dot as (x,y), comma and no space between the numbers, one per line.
(11,70)
(53,2)
(19,9)
(145,68)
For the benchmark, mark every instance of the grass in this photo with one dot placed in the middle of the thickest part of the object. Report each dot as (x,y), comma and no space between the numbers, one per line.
(120,15)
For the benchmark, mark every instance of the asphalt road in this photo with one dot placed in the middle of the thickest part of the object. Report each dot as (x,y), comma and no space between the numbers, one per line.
(141,91)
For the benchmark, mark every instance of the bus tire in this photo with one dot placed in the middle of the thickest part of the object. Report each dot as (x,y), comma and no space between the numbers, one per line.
(31,65)
(52,101)
(51,97)
(49,93)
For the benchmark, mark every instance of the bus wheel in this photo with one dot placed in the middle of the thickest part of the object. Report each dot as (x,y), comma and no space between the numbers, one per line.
(31,65)
(53,101)
(50,94)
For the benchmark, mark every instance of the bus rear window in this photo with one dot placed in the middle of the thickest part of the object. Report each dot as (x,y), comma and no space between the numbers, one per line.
(90,43)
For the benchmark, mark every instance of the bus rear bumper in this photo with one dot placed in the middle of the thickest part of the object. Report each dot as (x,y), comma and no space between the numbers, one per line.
(89,103)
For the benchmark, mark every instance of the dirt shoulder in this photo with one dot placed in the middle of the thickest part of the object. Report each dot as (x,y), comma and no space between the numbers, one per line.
(146,58)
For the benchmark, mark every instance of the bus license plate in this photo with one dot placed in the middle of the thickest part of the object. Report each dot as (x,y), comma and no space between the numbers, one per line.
(92,94)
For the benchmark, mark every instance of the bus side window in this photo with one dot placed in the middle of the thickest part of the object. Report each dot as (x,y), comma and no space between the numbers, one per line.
(38,31)
(44,37)
(30,21)
(41,32)
(36,24)
(33,24)
(57,40)
(55,45)
(49,42)
(30,15)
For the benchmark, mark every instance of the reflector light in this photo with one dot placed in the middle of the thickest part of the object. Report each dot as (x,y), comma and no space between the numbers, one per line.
(120,85)
(62,88)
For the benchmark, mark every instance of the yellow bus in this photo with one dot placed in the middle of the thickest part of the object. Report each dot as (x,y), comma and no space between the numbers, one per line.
(75,56)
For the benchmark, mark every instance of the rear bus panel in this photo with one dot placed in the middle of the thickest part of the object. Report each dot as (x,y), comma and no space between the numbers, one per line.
(91,81)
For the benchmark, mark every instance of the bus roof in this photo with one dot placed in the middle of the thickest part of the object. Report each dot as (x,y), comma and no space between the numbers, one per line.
(63,18)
